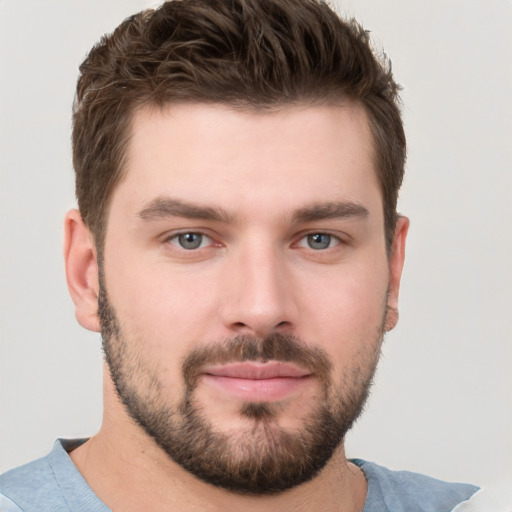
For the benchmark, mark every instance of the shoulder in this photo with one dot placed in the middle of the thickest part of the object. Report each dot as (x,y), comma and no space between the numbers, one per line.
(35,486)
(403,491)
(31,483)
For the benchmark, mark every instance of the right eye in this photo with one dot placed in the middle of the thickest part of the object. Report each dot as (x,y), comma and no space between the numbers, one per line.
(190,240)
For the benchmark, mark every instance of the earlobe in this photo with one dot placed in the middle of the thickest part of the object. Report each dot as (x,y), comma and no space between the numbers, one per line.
(396,264)
(80,258)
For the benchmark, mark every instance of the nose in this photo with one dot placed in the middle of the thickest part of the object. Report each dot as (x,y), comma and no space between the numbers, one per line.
(258,293)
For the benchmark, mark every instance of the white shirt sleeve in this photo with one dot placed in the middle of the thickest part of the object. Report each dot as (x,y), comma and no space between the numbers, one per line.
(487,499)
(7,505)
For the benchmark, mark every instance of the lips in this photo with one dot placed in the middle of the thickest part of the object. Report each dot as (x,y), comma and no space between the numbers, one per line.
(253,381)
(256,371)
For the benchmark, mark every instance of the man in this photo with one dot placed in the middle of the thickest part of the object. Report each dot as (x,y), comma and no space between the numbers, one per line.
(237,245)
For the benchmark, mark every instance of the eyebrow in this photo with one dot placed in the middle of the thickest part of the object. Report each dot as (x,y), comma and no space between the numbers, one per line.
(330,210)
(163,207)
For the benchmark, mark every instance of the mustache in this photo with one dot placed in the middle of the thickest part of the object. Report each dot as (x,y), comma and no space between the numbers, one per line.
(241,348)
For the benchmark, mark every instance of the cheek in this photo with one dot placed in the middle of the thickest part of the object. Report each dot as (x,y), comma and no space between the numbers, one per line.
(141,288)
(165,309)
(347,309)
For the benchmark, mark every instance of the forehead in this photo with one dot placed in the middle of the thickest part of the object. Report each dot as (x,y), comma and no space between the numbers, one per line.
(218,154)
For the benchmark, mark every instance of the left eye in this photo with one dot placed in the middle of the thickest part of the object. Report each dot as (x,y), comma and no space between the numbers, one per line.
(190,241)
(319,241)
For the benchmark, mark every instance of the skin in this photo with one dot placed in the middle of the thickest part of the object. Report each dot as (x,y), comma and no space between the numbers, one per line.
(254,274)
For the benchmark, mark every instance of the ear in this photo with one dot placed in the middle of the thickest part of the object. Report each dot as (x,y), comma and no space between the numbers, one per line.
(396,264)
(80,258)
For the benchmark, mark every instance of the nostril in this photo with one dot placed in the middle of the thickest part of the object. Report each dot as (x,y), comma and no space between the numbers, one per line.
(283,326)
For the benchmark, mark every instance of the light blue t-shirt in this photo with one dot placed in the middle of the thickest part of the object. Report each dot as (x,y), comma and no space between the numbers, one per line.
(54,484)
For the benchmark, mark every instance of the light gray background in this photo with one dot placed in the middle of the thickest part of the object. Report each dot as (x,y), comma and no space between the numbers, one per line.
(442,399)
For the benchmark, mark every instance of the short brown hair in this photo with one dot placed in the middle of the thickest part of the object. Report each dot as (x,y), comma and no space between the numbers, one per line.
(246,53)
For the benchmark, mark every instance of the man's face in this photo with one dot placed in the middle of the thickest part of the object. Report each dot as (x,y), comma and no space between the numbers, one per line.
(244,289)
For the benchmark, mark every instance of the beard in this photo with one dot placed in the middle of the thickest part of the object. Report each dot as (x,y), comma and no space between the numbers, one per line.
(262,458)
